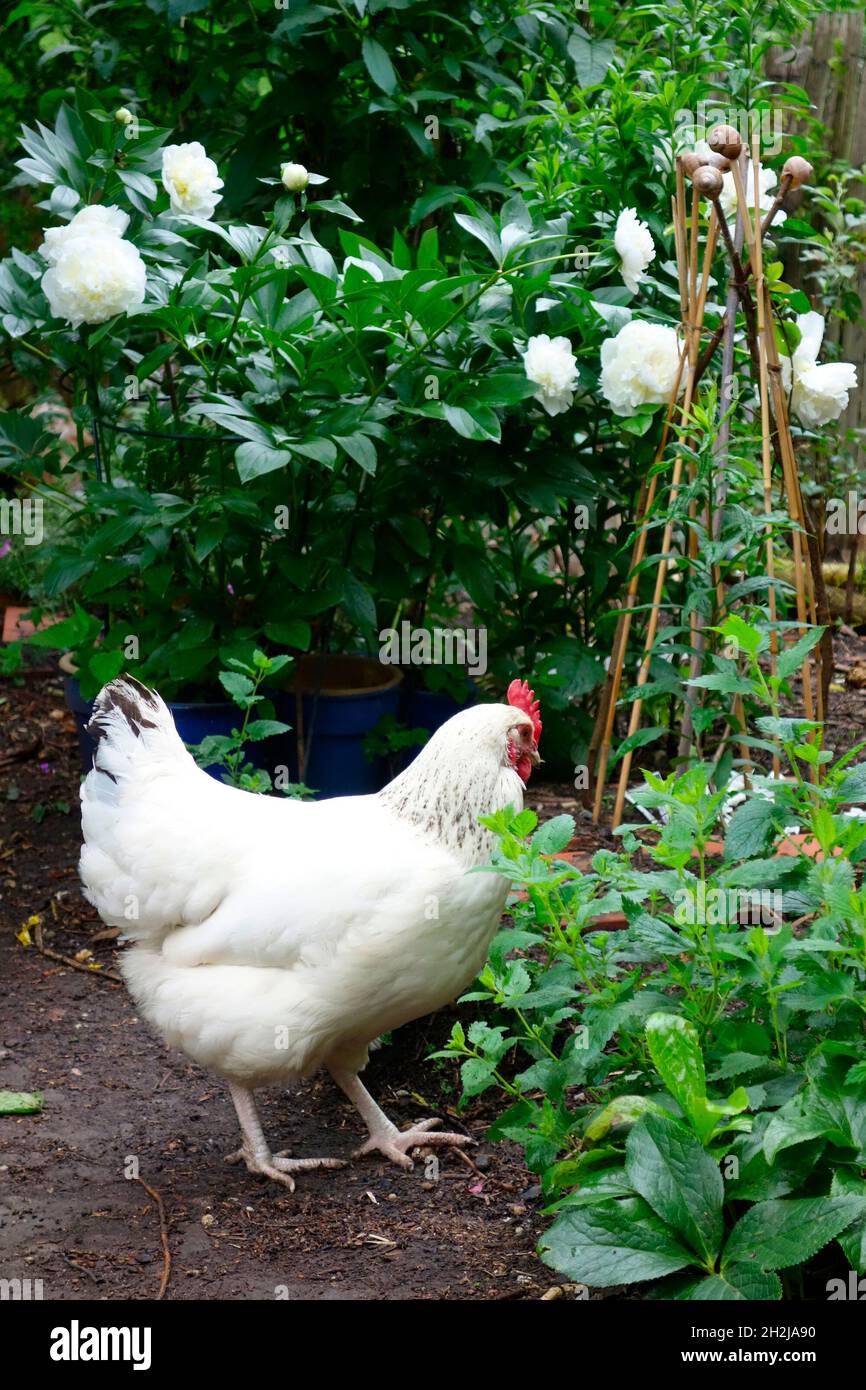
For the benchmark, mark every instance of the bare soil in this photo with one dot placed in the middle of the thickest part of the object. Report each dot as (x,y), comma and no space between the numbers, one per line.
(118,1101)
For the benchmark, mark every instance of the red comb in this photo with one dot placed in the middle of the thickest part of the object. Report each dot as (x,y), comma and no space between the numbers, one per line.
(523,698)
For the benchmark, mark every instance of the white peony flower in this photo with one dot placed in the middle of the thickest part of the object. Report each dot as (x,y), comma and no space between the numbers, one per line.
(639,366)
(191,180)
(96,218)
(635,248)
(819,391)
(295,177)
(551,364)
(767,180)
(95,276)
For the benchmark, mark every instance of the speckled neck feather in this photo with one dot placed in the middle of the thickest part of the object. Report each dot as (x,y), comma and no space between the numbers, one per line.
(461,774)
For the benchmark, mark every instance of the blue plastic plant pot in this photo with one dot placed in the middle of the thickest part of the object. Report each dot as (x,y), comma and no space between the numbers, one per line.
(341,699)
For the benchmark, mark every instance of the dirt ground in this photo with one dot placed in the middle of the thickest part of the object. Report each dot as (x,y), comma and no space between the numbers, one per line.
(113,1092)
(118,1102)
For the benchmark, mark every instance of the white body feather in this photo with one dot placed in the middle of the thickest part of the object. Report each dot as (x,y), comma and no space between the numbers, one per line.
(270,937)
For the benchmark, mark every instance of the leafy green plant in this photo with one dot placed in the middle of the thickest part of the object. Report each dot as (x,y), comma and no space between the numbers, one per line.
(242,682)
(709,1054)
(360,380)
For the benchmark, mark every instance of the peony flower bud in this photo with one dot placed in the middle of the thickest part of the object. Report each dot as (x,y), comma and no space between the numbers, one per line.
(295,177)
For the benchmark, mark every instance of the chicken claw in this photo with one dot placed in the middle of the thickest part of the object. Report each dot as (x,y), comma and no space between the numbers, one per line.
(394,1143)
(254,1151)
(279,1167)
(385,1138)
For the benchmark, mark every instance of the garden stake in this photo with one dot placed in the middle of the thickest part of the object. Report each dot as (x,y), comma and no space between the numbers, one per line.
(706,176)
(607,710)
(796,171)
(771,366)
(702,177)
(696,620)
(603,730)
(788,182)
(756,251)
(790,478)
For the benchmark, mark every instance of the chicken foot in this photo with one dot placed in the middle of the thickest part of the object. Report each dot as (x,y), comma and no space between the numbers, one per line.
(385,1138)
(254,1151)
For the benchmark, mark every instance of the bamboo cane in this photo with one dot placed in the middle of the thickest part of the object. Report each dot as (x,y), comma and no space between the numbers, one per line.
(623,628)
(695,322)
(771,368)
(757,258)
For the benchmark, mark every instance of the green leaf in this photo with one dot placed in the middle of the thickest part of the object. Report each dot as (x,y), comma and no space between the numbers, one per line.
(254,459)
(785,1232)
(359,448)
(853,1239)
(591,58)
(292,632)
(554,835)
(258,729)
(619,1242)
(208,536)
(379,65)
(484,231)
(790,659)
(624,1110)
(237,686)
(638,424)
(853,785)
(676,1052)
(746,637)
(321,450)
(639,739)
(738,1283)
(358,602)
(480,423)
(104,666)
(749,829)
(476,1074)
(667,1166)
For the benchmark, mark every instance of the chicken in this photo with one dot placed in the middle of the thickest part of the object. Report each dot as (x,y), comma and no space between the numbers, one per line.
(270,939)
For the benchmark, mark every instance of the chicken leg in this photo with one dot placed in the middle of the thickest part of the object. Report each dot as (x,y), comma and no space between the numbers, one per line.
(255,1152)
(385,1137)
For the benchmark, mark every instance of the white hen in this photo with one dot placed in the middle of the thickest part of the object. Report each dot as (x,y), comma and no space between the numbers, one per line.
(272,938)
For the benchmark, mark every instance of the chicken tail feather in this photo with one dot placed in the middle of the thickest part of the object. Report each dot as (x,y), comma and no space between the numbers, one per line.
(135,805)
(130,723)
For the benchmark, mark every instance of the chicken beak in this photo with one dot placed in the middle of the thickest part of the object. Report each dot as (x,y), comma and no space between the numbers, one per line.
(534,755)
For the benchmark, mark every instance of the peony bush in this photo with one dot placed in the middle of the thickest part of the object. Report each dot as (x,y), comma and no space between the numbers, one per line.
(428,384)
